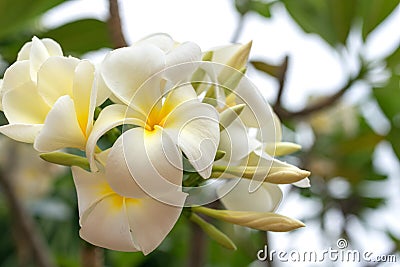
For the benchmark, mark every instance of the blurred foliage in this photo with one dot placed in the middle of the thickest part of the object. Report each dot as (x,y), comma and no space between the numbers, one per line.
(343,148)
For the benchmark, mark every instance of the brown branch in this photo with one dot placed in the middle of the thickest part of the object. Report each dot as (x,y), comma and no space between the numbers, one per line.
(114,25)
(92,256)
(281,79)
(197,246)
(325,103)
(22,221)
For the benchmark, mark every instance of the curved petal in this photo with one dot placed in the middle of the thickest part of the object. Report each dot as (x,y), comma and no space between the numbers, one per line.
(90,188)
(84,95)
(61,128)
(148,161)
(106,225)
(161,40)
(151,220)
(235,141)
(21,132)
(305,183)
(56,77)
(195,127)
(257,112)
(23,104)
(102,90)
(110,117)
(235,195)
(180,62)
(16,75)
(125,70)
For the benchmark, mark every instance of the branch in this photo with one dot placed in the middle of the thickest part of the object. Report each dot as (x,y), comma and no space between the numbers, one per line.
(197,246)
(325,103)
(239,29)
(114,25)
(22,221)
(281,79)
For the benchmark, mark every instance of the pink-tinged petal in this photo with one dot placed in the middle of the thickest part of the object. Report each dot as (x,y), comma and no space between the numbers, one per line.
(21,132)
(84,95)
(141,160)
(106,225)
(151,220)
(56,77)
(61,128)
(110,117)
(235,195)
(195,127)
(23,104)
(16,75)
(126,70)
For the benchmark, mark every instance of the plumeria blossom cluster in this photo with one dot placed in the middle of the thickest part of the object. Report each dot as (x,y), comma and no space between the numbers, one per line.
(189,128)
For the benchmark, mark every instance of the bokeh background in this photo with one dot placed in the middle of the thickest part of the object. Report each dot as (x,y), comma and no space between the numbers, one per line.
(329,68)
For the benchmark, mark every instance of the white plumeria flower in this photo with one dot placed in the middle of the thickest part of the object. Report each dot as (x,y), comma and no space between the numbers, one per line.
(171,121)
(112,221)
(49,99)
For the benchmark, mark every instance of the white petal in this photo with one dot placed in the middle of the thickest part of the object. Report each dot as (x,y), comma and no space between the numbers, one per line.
(102,90)
(84,95)
(184,53)
(61,128)
(102,213)
(21,132)
(110,117)
(106,225)
(23,104)
(151,220)
(153,164)
(56,77)
(235,195)
(53,48)
(161,40)
(235,141)
(194,126)
(125,70)
(16,75)
(90,188)
(305,183)
(257,112)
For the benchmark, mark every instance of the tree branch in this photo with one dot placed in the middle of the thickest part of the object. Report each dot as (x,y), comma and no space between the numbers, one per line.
(325,103)
(281,79)
(197,246)
(114,25)
(22,221)
(239,29)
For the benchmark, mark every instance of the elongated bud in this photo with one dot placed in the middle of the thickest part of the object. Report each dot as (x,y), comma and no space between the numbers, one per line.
(229,115)
(281,148)
(213,232)
(199,74)
(238,61)
(275,175)
(66,159)
(265,221)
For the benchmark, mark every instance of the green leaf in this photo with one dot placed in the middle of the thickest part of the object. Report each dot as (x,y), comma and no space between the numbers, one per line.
(331,19)
(272,70)
(81,36)
(388,97)
(20,15)
(374,12)
(261,8)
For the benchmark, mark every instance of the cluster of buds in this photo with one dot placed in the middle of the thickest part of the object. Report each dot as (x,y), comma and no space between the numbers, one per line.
(189,126)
